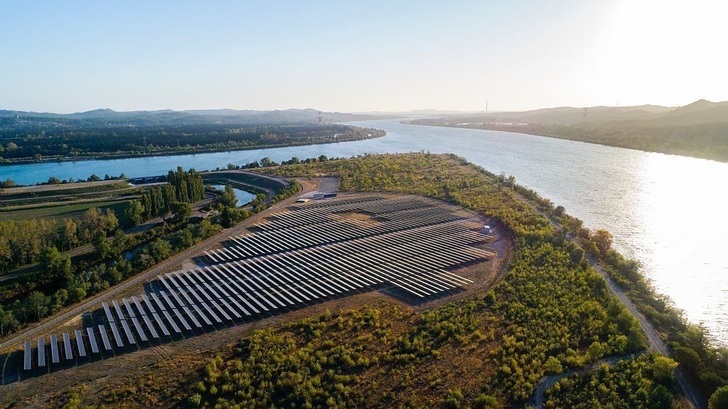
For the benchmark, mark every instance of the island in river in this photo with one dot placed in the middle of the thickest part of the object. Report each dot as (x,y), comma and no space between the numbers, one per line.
(699,129)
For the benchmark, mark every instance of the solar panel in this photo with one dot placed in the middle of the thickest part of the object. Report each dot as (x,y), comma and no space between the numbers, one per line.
(127,331)
(117,335)
(80,344)
(156,317)
(179,316)
(150,327)
(129,310)
(139,330)
(117,307)
(304,254)
(67,346)
(109,316)
(104,337)
(27,356)
(55,356)
(170,321)
(41,352)
(92,340)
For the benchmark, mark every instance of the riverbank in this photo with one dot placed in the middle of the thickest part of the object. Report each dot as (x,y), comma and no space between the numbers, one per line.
(590,134)
(177,152)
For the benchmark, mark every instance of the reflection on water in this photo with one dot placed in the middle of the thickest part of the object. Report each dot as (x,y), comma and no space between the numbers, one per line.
(665,211)
(242,196)
(682,245)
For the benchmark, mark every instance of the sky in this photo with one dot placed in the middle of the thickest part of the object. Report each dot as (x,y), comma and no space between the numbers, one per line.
(72,56)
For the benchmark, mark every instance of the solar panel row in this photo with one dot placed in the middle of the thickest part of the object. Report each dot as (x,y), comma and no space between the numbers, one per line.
(298,257)
(258,244)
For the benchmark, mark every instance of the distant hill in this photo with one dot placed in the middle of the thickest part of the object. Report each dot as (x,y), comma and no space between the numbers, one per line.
(699,129)
(100,117)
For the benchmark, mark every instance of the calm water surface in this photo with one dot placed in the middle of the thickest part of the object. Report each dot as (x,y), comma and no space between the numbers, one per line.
(242,196)
(665,211)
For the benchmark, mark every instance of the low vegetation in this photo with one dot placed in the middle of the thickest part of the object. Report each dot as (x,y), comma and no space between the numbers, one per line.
(636,383)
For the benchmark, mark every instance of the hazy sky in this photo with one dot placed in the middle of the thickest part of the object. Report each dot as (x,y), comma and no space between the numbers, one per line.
(68,56)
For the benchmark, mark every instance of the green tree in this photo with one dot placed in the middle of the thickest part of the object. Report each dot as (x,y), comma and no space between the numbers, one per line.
(8,323)
(59,299)
(133,213)
(70,234)
(109,223)
(719,399)
(454,398)
(185,239)
(663,369)
(35,306)
(553,366)
(266,162)
(180,211)
(56,264)
(118,244)
(160,249)
(228,198)
(101,245)
(603,240)
(76,294)
(484,401)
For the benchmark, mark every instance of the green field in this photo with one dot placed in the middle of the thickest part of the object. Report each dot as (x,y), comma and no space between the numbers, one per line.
(62,211)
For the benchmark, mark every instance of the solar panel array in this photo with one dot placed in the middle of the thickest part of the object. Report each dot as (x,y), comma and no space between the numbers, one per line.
(297,257)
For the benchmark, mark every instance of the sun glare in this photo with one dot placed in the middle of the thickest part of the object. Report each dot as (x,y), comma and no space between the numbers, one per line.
(663,48)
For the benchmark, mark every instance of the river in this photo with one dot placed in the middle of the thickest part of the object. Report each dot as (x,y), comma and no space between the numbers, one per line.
(664,210)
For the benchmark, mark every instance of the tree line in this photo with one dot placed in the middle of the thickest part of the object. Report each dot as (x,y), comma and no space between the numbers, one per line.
(122,140)
(182,187)
(58,282)
(22,242)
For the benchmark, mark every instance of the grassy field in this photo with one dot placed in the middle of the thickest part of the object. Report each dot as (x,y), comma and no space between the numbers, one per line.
(70,189)
(62,211)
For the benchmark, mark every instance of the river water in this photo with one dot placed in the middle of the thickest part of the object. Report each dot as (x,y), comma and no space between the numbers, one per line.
(666,211)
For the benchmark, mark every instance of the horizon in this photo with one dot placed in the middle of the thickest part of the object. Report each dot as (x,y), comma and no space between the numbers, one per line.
(378,57)
(354,112)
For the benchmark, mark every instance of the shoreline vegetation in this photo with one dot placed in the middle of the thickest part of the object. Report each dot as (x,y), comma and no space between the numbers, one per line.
(27,137)
(552,313)
(698,130)
(280,138)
